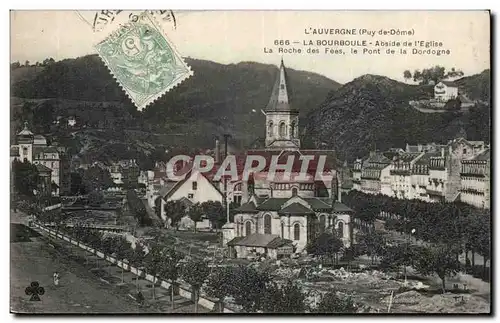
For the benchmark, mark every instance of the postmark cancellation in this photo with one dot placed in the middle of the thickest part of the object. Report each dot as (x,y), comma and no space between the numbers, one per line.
(142,59)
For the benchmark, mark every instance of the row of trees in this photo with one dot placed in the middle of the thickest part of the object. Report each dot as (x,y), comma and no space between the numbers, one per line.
(436,73)
(252,289)
(45,62)
(213,210)
(458,225)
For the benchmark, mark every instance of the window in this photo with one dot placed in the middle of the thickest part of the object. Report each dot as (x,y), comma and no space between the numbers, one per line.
(270,129)
(341,229)
(282,86)
(465,151)
(283,229)
(296,231)
(294,191)
(25,151)
(267,224)
(282,129)
(190,195)
(248,228)
(195,186)
(292,130)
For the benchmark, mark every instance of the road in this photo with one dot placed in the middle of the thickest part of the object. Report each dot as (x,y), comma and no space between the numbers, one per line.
(80,290)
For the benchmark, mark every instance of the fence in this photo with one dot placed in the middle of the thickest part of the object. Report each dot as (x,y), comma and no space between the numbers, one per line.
(184,289)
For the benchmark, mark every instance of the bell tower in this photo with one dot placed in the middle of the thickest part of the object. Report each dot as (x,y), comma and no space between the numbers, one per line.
(25,140)
(282,120)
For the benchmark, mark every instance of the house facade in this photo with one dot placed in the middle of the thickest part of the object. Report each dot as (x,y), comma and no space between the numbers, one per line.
(444,91)
(475,177)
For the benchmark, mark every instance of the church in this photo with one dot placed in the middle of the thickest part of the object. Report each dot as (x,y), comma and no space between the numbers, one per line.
(281,215)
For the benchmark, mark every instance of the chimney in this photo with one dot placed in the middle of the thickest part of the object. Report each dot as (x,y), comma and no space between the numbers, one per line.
(217,151)
(442,152)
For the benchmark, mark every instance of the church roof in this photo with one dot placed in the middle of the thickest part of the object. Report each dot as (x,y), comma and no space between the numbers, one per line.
(485,155)
(276,203)
(247,207)
(259,240)
(296,208)
(280,95)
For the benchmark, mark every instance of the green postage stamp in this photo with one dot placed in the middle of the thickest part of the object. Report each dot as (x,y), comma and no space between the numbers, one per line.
(143,60)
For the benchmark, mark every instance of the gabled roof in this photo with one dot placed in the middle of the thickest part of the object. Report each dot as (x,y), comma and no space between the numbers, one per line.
(247,207)
(341,208)
(276,203)
(449,83)
(426,158)
(296,208)
(166,188)
(45,150)
(259,240)
(43,169)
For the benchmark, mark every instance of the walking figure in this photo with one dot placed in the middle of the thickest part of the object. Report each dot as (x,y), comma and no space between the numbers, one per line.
(56,278)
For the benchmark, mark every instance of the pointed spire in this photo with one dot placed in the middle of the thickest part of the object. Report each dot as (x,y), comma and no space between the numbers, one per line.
(280,94)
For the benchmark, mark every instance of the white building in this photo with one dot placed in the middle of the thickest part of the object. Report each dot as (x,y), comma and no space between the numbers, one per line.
(475,180)
(445,90)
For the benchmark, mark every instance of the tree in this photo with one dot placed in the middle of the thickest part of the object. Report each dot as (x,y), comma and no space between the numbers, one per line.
(137,259)
(170,269)
(249,287)
(175,210)
(326,245)
(27,63)
(407,75)
(195,213)
(436,74)
(215,212)
(15,65)
(195,272)
(220,284)
(287,298)
(440,260)
(332,303)
(25,177)
(153,263)
(77,186)
(96,178)
(123,251)
(374,244)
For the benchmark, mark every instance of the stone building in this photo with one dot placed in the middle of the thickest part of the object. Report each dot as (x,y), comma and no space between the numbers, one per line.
(282,213)
(475,179)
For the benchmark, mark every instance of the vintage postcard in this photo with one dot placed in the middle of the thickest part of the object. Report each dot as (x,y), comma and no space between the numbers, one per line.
(245,162)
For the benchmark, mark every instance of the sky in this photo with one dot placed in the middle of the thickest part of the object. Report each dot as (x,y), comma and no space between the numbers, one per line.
(234,36)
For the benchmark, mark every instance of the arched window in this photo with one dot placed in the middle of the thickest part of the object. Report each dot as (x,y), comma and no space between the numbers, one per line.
(282,129)
(292,130)
(248,228)
(341,229)
(330,220)
(267,224)
(322,223)
(237,229)
(294,191)
(282,230)
(296,231)
(270,129)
